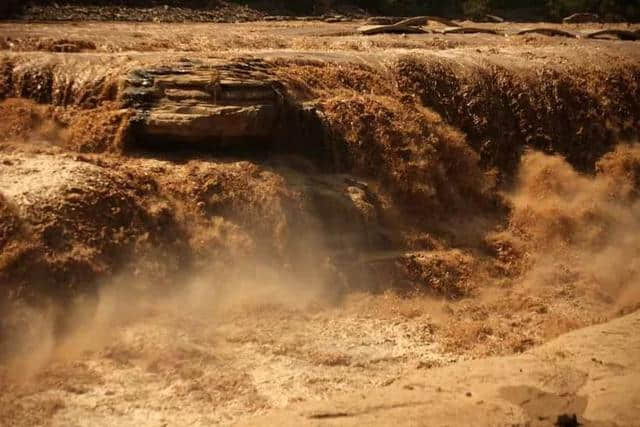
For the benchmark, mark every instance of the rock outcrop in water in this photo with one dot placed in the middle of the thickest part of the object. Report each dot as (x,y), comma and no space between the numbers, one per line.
(194,103)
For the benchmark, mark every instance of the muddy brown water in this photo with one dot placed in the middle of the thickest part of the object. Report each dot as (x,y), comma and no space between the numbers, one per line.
(235,224)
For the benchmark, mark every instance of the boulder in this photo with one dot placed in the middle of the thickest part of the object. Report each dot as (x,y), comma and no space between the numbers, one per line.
(547,32)
(471,30)
(395,28)
(619,34)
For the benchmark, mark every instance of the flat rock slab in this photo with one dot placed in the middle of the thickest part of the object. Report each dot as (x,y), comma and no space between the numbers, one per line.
(551,32)
(408,25)
(394,28)
(471,30)
(619,34)
(593,373)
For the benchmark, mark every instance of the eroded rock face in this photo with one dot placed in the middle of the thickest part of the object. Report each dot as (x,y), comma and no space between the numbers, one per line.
(233,105)
(204,103)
